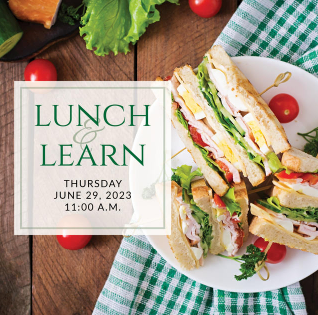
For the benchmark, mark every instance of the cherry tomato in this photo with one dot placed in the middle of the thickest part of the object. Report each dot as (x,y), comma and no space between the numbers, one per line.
(196,137)
(167,78)
(311,178)
(228,174)
(285,107)
(40,70)
(284,175)
(276,253)
(205,8)
(218,201)
(73,242)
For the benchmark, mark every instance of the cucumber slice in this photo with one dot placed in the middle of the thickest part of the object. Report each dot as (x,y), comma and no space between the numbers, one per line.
(10,31)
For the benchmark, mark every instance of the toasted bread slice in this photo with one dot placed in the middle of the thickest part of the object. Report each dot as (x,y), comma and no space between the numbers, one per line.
(275,233)
(213,178)
(299,161)
(253,171)
(177,240)
(270,126)
(292,199)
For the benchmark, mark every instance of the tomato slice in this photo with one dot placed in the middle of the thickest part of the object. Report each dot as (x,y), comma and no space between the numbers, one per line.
(276,253)
(312,179)
(167,78)
(196,137)
(218,201)
(228,174)
(284,175)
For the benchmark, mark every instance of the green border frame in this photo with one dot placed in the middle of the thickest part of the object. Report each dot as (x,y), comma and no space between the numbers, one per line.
(96,228)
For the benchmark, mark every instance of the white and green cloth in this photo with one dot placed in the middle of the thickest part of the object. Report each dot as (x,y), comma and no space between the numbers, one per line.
(141,281)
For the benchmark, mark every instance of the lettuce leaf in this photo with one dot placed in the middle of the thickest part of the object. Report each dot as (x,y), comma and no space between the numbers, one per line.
(205,230)
(183,176)
(307,214)
(111,25)
(231,204)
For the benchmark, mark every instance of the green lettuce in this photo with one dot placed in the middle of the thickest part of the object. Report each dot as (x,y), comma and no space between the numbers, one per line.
(231,204)
(307,214)
(204,152)
(183,176)
(205,228)
(222,115)
(111,25)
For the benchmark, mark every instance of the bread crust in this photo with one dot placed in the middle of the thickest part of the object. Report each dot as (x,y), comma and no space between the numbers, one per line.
(299,161)
(241,197)
(213,178)
(274,233)
(292,199)
(178,242)
(270,126)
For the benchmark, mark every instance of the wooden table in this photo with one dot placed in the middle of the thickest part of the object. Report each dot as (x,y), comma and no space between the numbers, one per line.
(36,274)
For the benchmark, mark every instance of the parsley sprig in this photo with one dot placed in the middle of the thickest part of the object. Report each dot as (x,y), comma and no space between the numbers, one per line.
(311,147)
(251,262)
(70,15)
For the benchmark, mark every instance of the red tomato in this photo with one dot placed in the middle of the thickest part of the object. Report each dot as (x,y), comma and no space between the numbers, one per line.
(284,175)
(73,242)
(285,107)
(40,70)
(168,78)
(196,137)
(218,201)
(311,178)
(228,174)
(276,253)
(205,8)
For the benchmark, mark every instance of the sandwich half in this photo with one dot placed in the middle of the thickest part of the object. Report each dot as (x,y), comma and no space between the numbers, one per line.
(286,219)
(240,110)
(301,176)
(202,221)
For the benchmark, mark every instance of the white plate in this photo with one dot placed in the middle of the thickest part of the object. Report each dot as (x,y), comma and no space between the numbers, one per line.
(218,272)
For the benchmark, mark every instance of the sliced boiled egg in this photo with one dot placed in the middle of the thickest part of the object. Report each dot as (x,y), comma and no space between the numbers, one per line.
(286,224)
(257,133)
(306,190)
(184,227)
(237,101)
(197,252)
(226,240)
(222,144)
(221,81)
(190,103)
(183,213)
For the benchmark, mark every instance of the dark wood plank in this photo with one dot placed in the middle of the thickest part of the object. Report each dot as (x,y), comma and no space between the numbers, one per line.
(69,282)
(15,279)
(180,37)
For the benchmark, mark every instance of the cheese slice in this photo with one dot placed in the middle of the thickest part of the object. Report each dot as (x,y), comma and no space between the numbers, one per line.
(190,103)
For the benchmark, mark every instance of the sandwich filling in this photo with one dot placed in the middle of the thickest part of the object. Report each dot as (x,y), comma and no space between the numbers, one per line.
(194,222)
(305,183)
(213,148)
(231,111)
(228,212)
(302,221)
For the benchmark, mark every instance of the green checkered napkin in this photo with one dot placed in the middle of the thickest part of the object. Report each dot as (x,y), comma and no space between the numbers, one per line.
(141,281)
